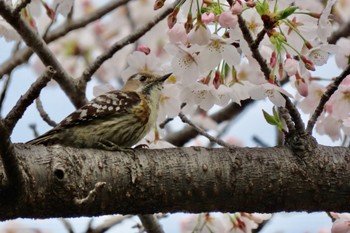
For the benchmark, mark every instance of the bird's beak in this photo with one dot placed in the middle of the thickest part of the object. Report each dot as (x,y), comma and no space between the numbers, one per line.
(163,78)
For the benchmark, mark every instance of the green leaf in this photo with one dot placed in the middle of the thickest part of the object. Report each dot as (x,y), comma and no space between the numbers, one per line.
(270,119)
(262,7)
(285,13)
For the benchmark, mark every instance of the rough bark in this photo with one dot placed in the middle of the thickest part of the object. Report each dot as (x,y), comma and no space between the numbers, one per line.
(68,182)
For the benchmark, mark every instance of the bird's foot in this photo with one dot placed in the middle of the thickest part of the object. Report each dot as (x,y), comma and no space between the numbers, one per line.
(111,146)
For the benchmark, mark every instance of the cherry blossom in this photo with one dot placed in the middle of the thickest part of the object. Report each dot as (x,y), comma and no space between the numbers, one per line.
(218,49)
(184,62)
(342,57)
(341,224)
(228,20)
(271,91)
(324,26)
(310,102)
(140,62)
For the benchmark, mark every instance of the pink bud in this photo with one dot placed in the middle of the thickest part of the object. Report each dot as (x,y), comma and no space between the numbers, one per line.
(216,81)
(236,9)
(208,17)
(273,59)
(51,13)
(250,4)
(145,49)
(308,64)
(158,4)
(302,87)
(228,20)
(171,21)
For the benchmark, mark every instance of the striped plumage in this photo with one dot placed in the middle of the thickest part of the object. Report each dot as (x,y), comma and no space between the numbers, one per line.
(117,119)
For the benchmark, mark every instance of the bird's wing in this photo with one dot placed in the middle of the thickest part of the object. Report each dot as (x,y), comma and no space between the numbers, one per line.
(112,103)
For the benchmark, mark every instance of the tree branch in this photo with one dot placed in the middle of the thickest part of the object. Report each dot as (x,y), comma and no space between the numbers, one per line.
(87,74)
(11,165)
(325,97)
(254,47)
(18,110)
(43,114)
(20,6)
(227,113)
(218,141)
(36,43)
(179,179)
(4,90)
(151,223)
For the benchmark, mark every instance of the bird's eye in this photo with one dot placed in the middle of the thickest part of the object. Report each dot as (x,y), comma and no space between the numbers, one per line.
(143,78)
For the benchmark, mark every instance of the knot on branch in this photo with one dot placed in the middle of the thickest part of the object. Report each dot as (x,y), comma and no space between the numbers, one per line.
(303,145)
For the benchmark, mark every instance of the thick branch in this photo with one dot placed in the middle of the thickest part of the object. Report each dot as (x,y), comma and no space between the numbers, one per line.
(11,165)
(179,179)
(18,110)
(33,40)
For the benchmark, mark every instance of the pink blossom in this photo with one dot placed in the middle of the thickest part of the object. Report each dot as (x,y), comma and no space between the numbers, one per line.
(315,91)
(208,17)
(177,34)
(237,8)
(228,20)
(341,224)
(343,55)
(290,66)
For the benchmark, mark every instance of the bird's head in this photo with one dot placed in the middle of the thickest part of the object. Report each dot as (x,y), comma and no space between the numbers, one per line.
(145,82)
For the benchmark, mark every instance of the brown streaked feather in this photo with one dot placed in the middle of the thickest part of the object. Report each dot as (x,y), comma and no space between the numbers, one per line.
(112,103)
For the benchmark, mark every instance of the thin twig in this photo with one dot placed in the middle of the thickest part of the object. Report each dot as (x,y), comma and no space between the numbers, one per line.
(43,114)
(4,90)
(325,97)
(35,131)
(33,40)
(232,110)
(89,71)
(10,162)
(20,6)
(67,225)
(255,49)
(202,132)
(299,125)
(108,223)
(259,141)
(17,111)
(150,223)
(24,54)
